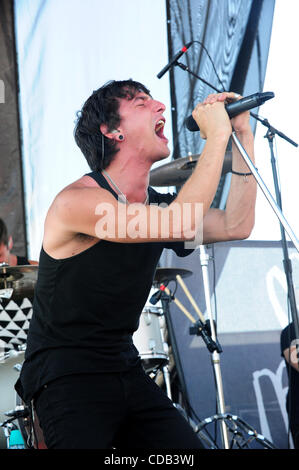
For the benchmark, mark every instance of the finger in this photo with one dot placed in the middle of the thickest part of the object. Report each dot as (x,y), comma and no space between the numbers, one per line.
(213,97)
(232,96)
(210,99)
(226,95)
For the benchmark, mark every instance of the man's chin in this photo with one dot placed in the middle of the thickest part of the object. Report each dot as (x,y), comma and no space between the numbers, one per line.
(163,155)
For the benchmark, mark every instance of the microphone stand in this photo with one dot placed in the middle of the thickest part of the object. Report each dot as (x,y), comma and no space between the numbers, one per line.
(270,135)
(215,357)
(283,222)
(266,192)
(253,170)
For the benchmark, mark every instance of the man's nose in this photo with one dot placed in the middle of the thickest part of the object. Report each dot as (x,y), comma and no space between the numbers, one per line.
(159,107)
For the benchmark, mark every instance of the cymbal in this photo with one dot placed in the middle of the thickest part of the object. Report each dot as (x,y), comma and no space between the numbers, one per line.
(178,171)
(17,282)
(169,274)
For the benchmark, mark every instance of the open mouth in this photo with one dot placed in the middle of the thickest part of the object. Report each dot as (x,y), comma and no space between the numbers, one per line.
(159,129)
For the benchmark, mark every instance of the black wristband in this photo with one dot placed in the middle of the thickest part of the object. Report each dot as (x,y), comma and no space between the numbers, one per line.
(241,174)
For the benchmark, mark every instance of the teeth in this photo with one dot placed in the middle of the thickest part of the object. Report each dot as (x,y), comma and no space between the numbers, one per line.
(159,125)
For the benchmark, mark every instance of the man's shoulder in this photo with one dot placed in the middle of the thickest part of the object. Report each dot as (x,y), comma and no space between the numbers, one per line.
(68,216)
(75,190)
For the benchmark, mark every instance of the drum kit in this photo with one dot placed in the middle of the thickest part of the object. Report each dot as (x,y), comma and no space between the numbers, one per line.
(17,282)
(155,340)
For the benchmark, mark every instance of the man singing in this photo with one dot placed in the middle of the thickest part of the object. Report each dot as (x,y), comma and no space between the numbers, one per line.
(96,268)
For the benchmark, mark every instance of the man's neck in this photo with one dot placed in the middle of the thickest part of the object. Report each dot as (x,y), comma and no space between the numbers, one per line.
(131,178)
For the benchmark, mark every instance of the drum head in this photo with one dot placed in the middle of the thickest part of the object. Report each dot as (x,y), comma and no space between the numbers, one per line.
(149,340)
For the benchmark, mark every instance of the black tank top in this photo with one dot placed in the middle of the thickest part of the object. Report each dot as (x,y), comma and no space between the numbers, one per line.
(87,307)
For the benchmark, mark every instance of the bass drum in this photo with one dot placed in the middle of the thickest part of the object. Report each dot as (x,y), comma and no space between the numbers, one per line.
(10,367)
(149,338)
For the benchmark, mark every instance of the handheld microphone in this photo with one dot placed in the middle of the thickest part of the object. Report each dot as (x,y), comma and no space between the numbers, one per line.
(174,59)
(237,107)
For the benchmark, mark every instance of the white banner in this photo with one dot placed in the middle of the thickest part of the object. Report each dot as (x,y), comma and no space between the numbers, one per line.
(66,49)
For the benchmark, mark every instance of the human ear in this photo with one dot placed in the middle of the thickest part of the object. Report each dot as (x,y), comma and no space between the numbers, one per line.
(111,134)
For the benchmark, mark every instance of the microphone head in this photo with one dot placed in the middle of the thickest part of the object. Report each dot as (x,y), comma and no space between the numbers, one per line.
(189,44)
(267,95)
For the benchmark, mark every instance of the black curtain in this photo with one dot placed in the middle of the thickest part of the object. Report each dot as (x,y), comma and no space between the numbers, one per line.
(231,54)
(11,180)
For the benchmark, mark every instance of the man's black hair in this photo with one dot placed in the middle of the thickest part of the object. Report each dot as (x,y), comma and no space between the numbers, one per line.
(102,107)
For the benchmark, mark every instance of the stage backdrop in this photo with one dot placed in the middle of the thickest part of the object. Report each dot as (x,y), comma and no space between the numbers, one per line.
(66,49)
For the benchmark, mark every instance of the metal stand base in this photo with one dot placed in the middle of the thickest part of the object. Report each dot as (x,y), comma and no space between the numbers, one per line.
(241,434)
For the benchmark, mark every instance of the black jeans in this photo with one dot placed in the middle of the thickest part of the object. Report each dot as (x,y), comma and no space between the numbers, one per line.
(111,410)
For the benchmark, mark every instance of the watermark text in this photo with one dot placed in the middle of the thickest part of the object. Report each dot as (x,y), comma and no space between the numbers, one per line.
(138,222)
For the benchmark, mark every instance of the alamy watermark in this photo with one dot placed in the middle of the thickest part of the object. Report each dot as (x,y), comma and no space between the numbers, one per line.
(151,222)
